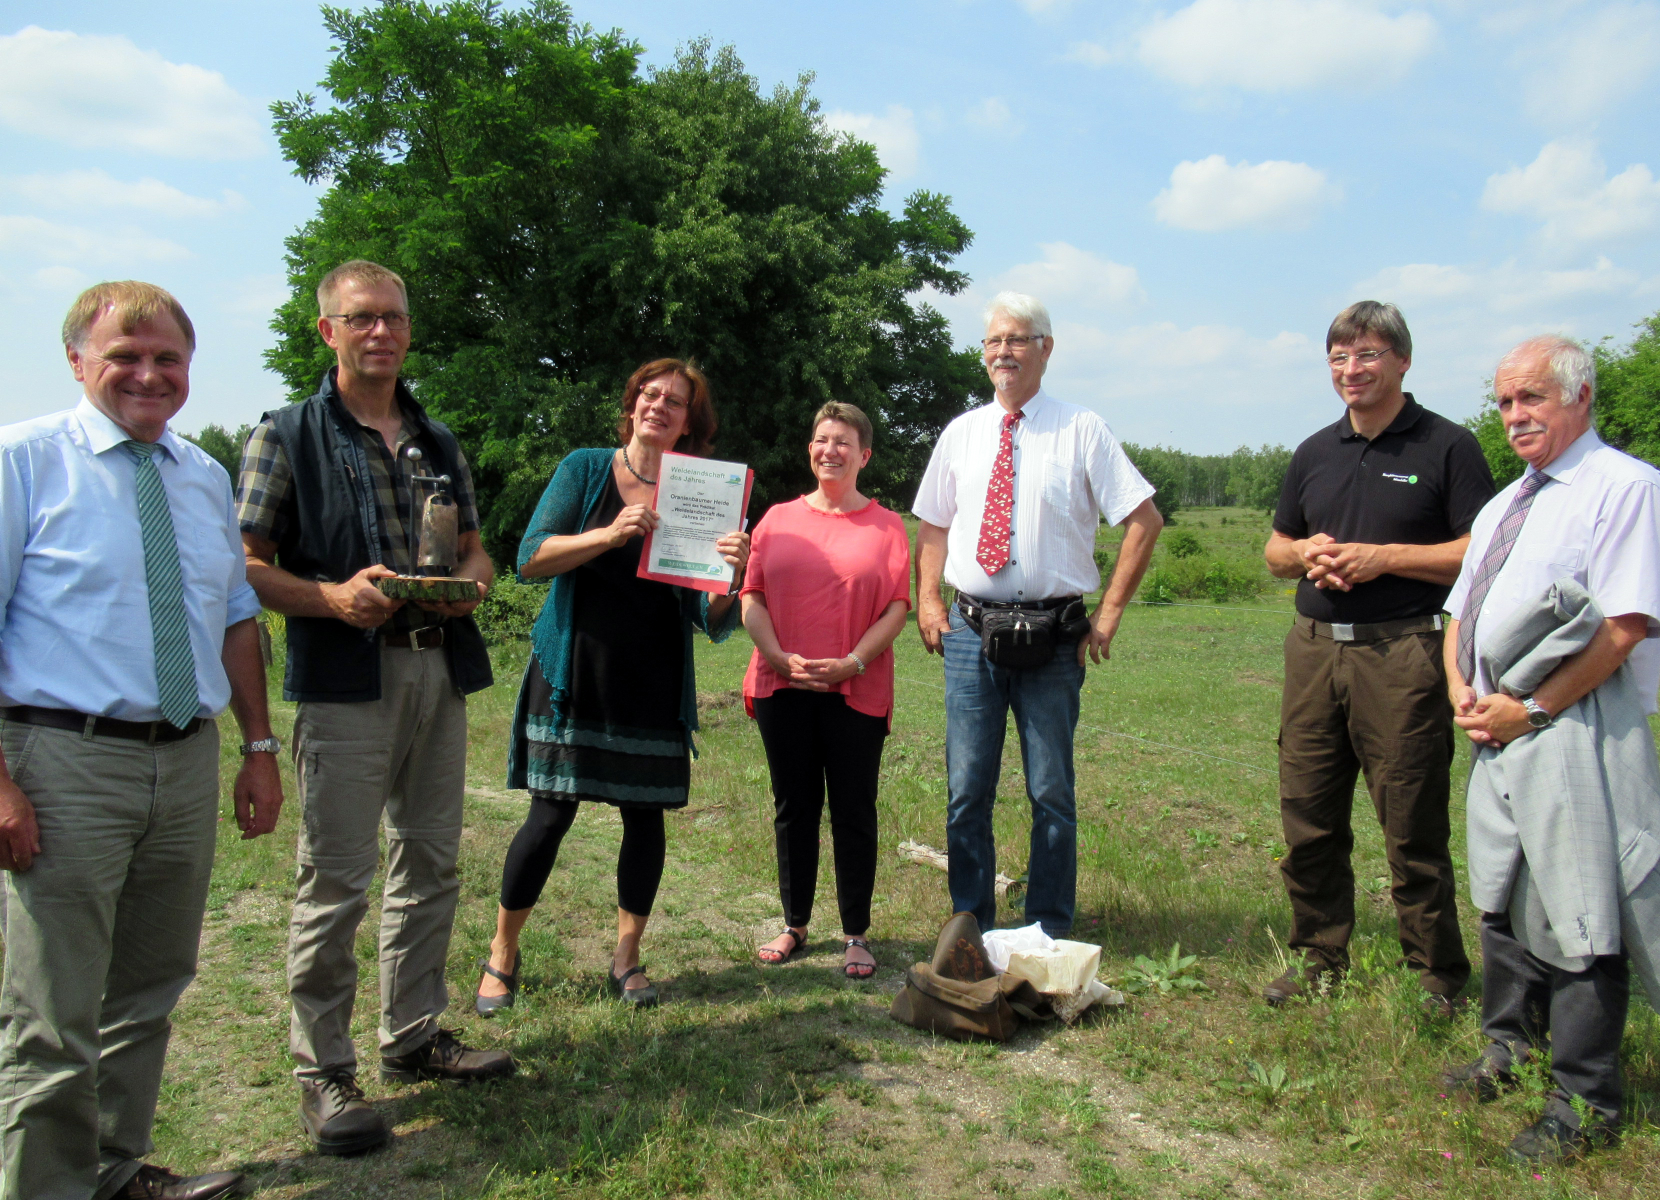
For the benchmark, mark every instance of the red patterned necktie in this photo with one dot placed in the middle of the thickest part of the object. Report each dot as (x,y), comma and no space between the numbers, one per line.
(993,550)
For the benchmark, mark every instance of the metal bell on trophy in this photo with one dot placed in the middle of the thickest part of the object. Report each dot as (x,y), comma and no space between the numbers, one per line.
(434,541)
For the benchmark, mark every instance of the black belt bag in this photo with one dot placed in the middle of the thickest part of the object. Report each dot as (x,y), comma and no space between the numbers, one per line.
(1023,636)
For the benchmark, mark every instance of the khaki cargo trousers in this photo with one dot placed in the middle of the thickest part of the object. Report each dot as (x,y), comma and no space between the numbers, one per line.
(398,761)
(101,936)
(1380,707)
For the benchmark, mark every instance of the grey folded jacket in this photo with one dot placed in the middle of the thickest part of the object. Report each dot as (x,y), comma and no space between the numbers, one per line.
(1564,822)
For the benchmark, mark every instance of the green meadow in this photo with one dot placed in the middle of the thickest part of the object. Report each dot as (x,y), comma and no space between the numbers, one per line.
(791,1081)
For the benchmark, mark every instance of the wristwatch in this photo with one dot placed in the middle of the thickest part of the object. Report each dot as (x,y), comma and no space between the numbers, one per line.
(268,745)
(1536,715)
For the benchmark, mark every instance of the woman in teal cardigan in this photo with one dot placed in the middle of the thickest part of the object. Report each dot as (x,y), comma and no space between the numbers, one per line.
(609,700)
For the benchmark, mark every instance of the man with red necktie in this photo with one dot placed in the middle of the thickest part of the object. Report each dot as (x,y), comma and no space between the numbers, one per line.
(1009,507)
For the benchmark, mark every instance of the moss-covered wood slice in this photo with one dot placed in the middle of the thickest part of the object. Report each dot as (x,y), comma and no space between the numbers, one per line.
(408,587)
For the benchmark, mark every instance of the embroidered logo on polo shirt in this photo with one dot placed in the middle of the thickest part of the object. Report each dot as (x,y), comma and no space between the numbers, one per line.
(1400,478)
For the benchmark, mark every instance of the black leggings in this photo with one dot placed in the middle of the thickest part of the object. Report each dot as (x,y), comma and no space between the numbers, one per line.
(815,741)
(536,845)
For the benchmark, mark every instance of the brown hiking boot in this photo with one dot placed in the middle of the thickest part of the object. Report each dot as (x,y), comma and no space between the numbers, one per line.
(1308,980)
(337,1117)
(158,1183)
(445,1057)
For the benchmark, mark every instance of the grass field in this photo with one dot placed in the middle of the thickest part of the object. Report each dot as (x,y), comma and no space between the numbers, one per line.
(762,1082)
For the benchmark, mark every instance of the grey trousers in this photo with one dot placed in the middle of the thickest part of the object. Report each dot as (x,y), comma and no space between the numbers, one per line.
(400,760)
(101,936)
(1526,1002)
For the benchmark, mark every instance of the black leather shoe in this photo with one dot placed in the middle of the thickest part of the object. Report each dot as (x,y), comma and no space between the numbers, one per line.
(489,1006)
(444,1057)
(1548,1140)
(1484,1079)
(337,1118)
(1309,980)
(158,1183)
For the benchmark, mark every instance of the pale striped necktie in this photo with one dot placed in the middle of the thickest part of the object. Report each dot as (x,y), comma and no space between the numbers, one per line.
(175,664)
(1504,537)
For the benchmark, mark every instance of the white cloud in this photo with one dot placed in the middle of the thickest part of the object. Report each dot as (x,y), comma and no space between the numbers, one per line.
(994,115)
(1212,194)
(1509,287)
(104,92)
(1285,45)
(894,135)
(1045,6)
(1094,54)
(82,190)
(1568,189)
(1583,69)
(1068,275)
(33,237)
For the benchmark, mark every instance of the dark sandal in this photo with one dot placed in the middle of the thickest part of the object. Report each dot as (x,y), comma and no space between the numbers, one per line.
(781,956)
(645,997)
(489,1006)
(855,970)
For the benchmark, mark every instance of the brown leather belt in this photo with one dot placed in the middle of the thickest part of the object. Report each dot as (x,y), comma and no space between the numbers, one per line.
(1379,632)
(425,638)
(90,726)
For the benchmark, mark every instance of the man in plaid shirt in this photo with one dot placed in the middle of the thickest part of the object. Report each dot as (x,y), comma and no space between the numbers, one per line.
(381,729)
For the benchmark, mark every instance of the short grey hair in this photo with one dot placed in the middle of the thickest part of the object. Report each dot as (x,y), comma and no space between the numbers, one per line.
(1028,310)
(1366,317)
(1571,365)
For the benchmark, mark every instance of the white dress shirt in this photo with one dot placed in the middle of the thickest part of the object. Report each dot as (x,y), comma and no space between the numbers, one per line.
(1069,471)
(1598,522)
(75,627)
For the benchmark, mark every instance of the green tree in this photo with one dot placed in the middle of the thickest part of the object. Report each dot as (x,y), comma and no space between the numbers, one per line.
(1628,393)
(224,446)
(1256,476)
(1489,430)
(560,220)
(1162,468)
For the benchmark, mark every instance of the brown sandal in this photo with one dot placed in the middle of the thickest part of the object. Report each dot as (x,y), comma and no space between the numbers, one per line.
(779,957)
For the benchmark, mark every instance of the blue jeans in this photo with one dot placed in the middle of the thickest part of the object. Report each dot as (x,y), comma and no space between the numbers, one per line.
(978,697)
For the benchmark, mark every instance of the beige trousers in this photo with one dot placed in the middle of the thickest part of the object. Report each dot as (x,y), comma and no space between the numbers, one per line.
(101,935)
(398,761)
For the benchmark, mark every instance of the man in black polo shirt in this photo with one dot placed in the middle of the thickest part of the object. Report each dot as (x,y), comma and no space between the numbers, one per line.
(1374,518)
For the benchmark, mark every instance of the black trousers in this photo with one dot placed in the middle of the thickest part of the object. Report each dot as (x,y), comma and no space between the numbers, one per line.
(816,744)
(531,854)
(1526,1002)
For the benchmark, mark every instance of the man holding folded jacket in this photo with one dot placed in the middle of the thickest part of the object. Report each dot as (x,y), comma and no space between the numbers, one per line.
(1009,506)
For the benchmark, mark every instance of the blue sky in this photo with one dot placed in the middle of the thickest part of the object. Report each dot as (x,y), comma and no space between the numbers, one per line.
(1193,188)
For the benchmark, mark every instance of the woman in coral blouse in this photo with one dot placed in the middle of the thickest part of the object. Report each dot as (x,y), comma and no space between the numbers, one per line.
(827,591)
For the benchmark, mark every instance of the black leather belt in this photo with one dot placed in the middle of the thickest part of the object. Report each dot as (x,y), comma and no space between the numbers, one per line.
(1378,632)
(972,607)
(425,638)
(67,718)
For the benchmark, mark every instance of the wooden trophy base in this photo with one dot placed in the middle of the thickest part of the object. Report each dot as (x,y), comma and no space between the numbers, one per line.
(433,590)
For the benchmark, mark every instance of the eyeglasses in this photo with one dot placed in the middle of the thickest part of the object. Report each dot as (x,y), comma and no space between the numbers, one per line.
(1018,342)
(1365,358)
(669,399)
(396,322)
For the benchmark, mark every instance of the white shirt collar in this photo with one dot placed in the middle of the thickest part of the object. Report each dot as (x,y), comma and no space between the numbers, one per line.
(1566,464)
(104,434)
(1029,411)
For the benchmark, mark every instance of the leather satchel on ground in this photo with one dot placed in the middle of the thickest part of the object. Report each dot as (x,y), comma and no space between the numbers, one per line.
(960,996)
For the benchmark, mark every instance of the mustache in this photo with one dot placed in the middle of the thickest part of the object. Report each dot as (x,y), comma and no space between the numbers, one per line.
(1516,431)
(1007,360)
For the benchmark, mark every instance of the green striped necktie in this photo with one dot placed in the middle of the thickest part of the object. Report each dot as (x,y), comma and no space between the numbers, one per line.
(175,664)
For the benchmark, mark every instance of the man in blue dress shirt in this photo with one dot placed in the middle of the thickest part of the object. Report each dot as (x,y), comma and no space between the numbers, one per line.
(127,626)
